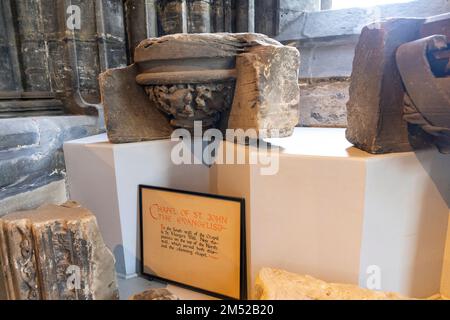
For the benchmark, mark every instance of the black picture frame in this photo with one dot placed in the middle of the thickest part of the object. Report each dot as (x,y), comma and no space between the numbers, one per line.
(243,245)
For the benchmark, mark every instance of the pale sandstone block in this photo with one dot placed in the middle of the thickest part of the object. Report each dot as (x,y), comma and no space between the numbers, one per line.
(273,284)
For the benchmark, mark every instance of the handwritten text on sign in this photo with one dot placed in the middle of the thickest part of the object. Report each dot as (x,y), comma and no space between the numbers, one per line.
(186,217)
(192,239)
(200,244)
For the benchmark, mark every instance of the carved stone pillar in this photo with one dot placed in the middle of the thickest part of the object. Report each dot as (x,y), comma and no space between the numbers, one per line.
(55,253)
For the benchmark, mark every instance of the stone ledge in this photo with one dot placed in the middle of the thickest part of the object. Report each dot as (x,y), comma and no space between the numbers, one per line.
(345,22)
(31,150)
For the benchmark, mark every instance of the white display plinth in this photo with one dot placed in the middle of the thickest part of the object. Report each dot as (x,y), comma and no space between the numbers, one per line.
(332,211)
(340,214)
(104,177)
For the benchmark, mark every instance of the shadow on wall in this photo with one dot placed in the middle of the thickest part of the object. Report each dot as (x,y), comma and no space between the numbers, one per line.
(435,163)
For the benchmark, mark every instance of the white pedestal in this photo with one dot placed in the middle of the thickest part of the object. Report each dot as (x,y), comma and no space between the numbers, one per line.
(104,178)
(332,211)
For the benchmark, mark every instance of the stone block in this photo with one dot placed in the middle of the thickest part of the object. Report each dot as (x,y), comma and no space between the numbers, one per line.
(273,284)
(375,108)
(55,253)
(350,21)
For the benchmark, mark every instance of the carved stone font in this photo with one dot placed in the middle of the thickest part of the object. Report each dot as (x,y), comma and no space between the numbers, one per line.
(236,81)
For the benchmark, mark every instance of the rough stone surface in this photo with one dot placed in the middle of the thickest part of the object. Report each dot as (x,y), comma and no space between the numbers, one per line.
(41,59)
(323,103)
(267,93)
(375,108)
(273,284)
(345,22)
(155,294)
(327,39)
(129,115)
(41,250)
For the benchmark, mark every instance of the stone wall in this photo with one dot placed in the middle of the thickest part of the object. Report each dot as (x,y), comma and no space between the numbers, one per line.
(44,71)
(327,41)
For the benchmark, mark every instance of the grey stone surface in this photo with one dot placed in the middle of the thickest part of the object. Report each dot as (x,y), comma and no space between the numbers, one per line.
(192,77)
(323,103)
(290,11)
(31,150)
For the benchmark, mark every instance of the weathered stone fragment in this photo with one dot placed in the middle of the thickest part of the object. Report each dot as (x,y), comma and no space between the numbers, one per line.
(155,294)
(129,115)
(273,284)
(192,77)
(375,108)
(267,93)
(55,253)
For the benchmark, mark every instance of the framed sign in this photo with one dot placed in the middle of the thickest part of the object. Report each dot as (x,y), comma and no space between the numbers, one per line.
(194,240)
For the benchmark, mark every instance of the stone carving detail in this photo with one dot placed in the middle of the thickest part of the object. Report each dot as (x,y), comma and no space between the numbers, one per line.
(155,294)
(185,103)
(55,253)
(228,81)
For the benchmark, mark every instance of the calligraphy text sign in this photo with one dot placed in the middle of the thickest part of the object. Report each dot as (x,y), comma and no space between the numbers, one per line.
(195,240)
